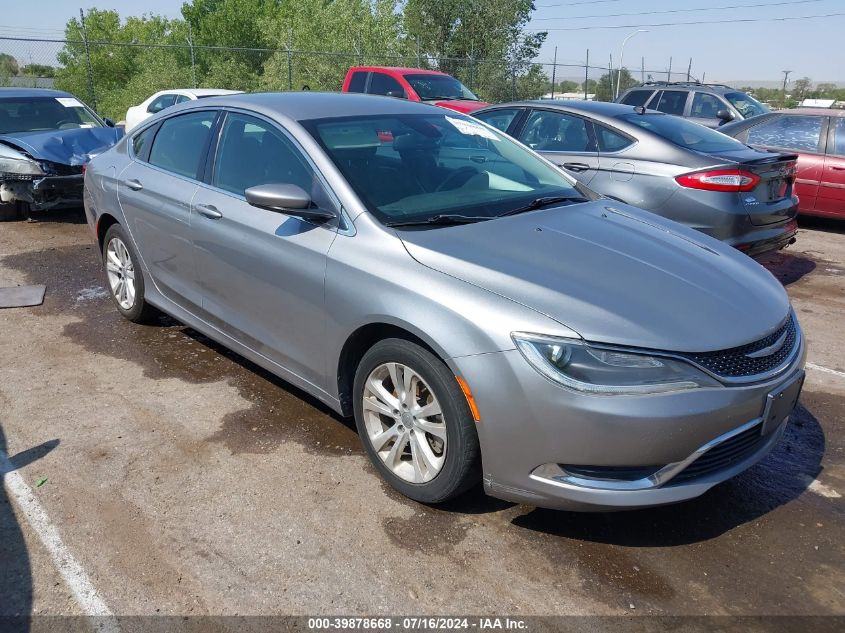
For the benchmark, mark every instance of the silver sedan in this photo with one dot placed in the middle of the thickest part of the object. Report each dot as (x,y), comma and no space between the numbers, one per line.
(483,316)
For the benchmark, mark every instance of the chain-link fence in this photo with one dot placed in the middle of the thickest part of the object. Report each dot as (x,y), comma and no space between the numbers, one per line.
(113,76)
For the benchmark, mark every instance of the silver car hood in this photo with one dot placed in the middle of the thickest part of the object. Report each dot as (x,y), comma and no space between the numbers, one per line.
(614,274)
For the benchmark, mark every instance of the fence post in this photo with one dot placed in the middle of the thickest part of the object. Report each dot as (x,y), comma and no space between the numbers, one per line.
(92,97)
(554,69)
(193,66)
(290,59)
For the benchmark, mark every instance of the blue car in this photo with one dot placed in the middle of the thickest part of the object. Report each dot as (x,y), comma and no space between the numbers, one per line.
(46,139)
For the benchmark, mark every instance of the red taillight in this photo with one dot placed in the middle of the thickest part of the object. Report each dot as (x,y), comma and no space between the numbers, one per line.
(720,180)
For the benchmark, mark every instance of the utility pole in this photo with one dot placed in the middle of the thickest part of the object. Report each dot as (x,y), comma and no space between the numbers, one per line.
(554,68)
(785,81)
(642,69)
(610,76)
(586,74)
(669,72)
(689,69)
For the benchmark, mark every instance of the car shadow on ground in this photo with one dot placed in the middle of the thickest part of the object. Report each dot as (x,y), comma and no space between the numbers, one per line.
(828,225)
(75,215)
(777,480)
(787,267)
(16,586)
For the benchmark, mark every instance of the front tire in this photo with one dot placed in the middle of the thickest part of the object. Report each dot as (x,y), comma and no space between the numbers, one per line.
(124,277)
(414,422)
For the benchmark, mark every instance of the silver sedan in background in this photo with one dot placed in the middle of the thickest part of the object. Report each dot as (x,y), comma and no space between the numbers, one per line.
(483,316)
(666,164)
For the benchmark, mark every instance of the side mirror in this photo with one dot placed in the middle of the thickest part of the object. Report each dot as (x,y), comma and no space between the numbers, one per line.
(108,122)
(399,94)
(725,115)
(287,199)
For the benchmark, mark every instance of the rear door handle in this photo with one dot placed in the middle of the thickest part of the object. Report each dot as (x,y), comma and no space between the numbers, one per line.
(576,167)
(209,211)
(134,184)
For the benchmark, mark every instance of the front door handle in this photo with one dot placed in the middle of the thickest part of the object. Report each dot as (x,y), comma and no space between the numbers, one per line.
(576,167)
(838,167)
(134,184)
(209,211)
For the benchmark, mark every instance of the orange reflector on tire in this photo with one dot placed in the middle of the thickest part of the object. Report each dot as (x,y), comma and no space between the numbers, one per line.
(470,400)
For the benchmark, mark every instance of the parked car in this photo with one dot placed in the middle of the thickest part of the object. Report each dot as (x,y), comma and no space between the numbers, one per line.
(414,84)
(712,105)
(46,139)
(818,137)
(675,168)
(166,98)
(481,314)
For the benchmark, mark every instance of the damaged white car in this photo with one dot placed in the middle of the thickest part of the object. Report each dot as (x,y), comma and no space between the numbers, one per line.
(46,139)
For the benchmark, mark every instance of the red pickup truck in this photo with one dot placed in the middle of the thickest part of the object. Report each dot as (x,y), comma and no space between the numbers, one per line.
(414,84)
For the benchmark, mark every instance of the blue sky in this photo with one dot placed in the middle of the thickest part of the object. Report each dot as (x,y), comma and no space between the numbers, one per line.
(728,51)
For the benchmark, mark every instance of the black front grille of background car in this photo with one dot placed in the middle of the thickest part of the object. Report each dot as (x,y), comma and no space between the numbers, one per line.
(733,363)
(731,451)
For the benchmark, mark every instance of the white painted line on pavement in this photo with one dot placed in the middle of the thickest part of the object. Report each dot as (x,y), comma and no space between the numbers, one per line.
(70,569)
(825,370)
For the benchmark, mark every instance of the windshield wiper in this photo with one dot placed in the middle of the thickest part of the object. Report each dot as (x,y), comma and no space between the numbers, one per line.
(442,219)
(538,203)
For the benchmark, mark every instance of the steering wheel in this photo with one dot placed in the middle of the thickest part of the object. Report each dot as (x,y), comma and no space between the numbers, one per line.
(457,178)
(66,124)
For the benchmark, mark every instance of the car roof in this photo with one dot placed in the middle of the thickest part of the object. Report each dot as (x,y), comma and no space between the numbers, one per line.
(601,108)
(684,85)
(398,69)
(837,112)
(306,105)
(202,92)
(18,93)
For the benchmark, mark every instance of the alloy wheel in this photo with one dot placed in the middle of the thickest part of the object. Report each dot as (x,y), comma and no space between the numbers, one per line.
(121,273)
(404,422)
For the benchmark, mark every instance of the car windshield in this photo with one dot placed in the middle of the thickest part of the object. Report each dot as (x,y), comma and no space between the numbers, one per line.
(684,133)
(414,167)
(35,114)
(746,105)
(439,87)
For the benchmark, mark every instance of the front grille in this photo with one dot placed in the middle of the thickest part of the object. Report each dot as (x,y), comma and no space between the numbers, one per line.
(721,456)
(735,362)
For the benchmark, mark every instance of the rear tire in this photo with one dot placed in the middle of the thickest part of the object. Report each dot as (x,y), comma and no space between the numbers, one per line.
(124,277)
(420,435)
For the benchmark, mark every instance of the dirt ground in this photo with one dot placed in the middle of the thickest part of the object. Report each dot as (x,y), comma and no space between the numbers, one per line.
(184,480)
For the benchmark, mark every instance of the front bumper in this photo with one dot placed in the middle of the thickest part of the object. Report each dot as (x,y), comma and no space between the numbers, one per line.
(529,427)
(43,192)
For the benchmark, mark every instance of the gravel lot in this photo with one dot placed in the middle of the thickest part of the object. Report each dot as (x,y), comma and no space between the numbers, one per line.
(184,480)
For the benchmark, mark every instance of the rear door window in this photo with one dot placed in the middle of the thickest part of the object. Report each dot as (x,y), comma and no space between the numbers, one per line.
(705,106)
(381,84)
(610,140)
(839,137)
(499,119)
(357,82)
(141,143)
(672,102)
(547,131)
(180,144)
(162,102)
(637,97)
(799,133)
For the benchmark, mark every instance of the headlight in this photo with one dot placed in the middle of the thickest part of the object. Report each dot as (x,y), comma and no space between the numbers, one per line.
(13,162)
(598,371)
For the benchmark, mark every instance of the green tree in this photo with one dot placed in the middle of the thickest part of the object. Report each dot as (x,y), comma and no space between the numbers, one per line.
(38,70)
(606,87)
(802,87)
(8,65)
(456,32)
